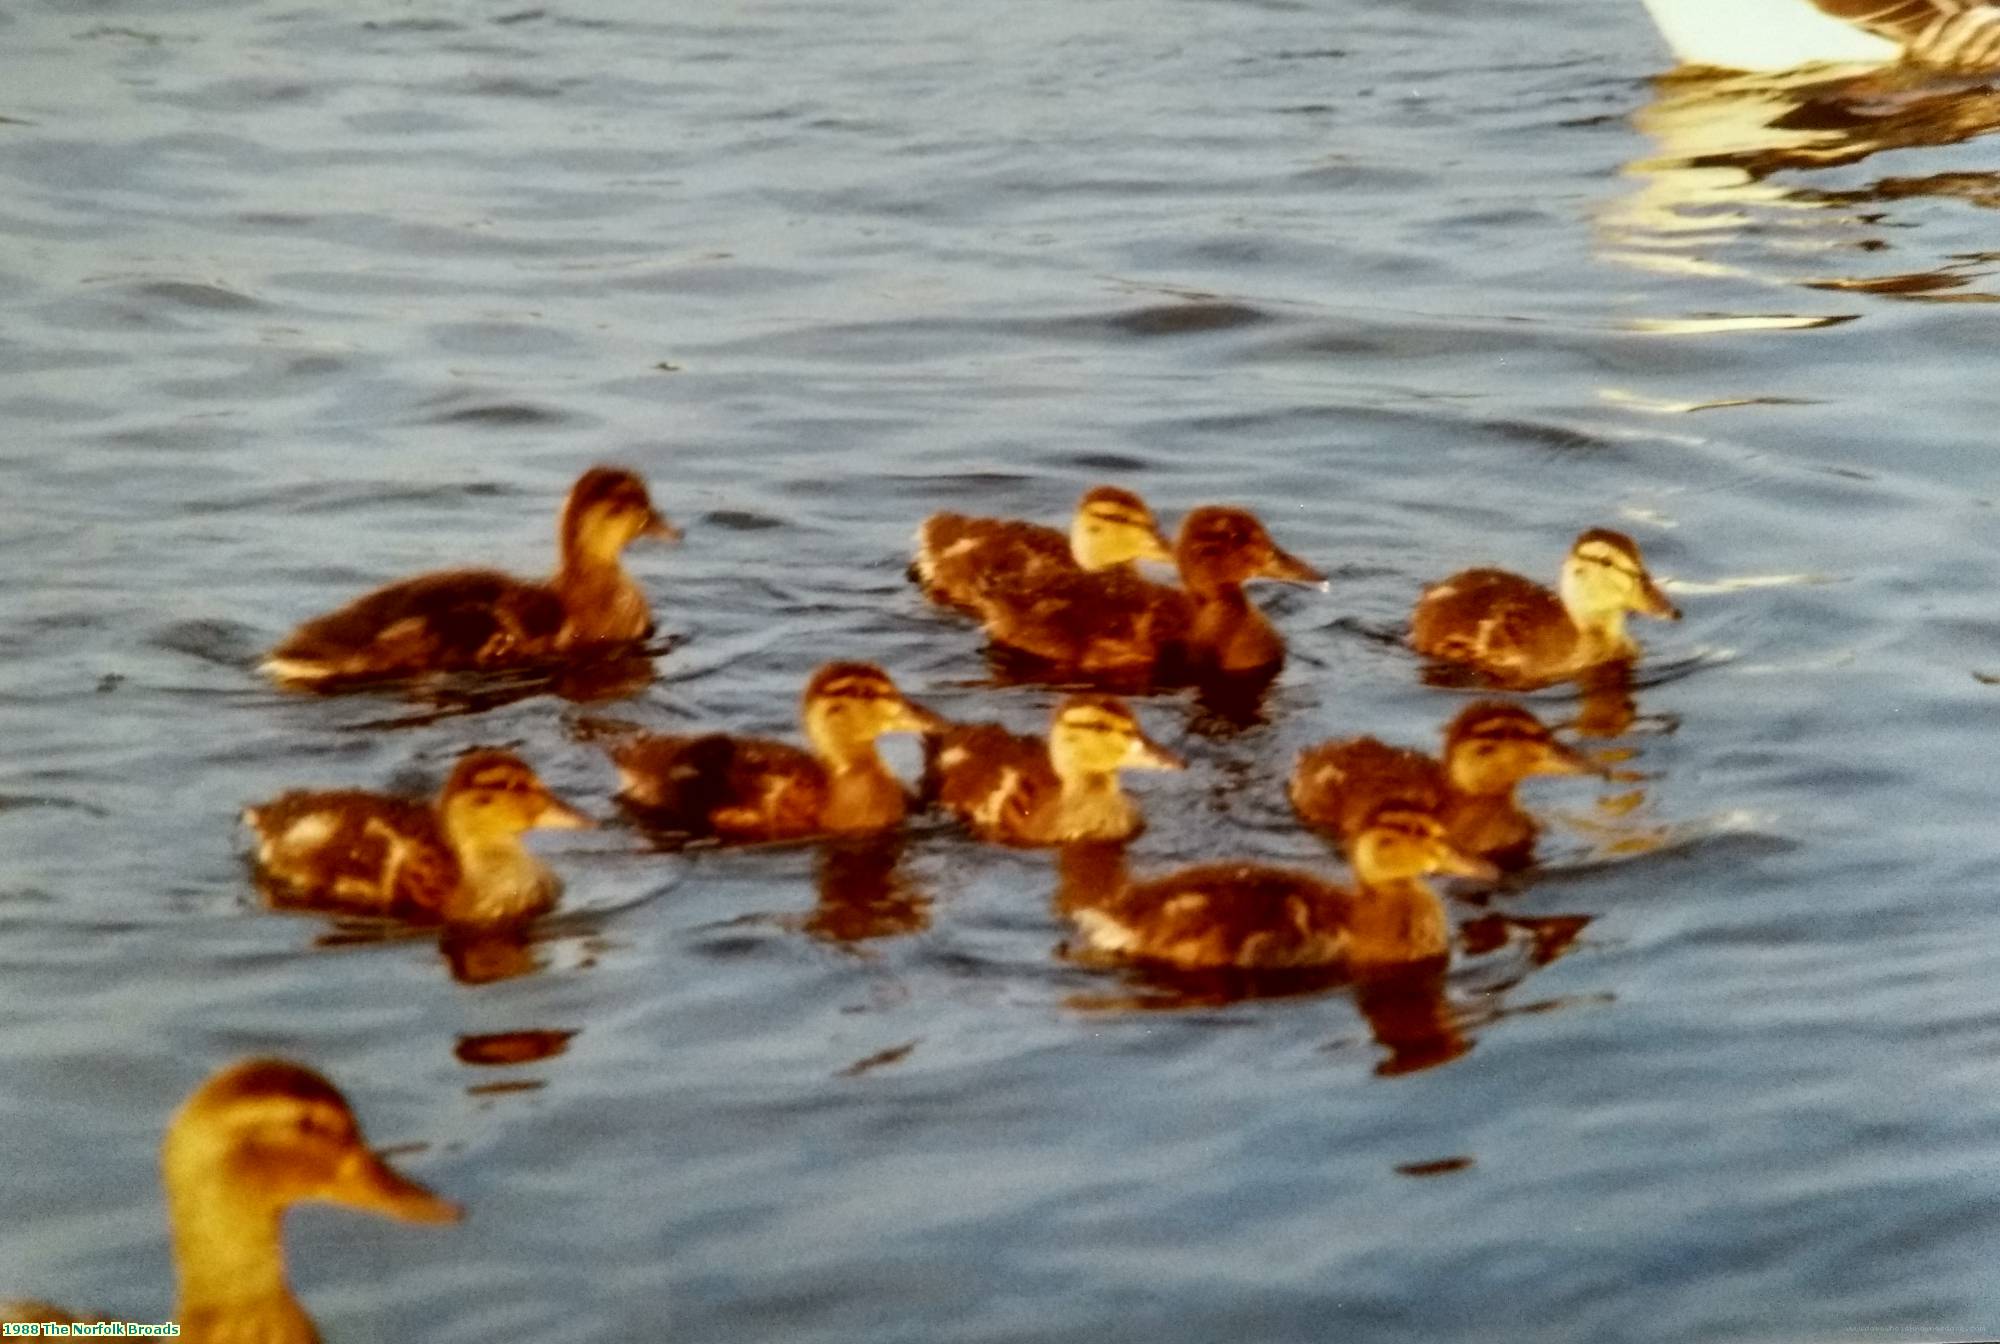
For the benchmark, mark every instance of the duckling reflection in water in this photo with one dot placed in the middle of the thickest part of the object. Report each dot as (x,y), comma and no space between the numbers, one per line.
(1253,917)
(1118,626)
(1520,633)
(863,893)
(1019,790)
(957,556)
(1489,748)
(255,1139)
(745,788)
(467,619)
(459,861)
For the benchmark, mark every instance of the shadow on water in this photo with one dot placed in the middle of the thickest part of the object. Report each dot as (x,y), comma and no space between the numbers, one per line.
(1715,185)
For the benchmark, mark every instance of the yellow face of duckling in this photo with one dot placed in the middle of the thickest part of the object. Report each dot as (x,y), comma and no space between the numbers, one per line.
(1400,845)
(1605,577)
(1096,735)
(494,794)
(1230,546)
(848,705)
(608,510)
(1114,526)
(1492,746)
(271,1133)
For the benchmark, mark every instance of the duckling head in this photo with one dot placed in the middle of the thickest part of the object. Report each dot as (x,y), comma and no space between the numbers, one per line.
(608,510)
(494,795)
(1113,526)
(1220,547)
(1492,745)
(1096,735)
(847,706)
(269,1133)
(1604,577)
(1401,843)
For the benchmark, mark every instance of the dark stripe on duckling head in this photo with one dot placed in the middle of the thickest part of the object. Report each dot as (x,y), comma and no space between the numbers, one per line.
(1113,505)
(1097,714)
(1617,542)
(1496,721)
(604,492)
(270,1078)
(851,681)
(490,768)
(1405,816)
(1215,530)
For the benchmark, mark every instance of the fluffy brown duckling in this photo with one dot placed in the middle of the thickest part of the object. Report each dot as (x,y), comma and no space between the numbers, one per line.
(477,618)
(747,788)
(255,1139)
(1116,624)
(459,860)
(957,556)
(1518,631)
(1488,749)
(1252,917)
(1026,791)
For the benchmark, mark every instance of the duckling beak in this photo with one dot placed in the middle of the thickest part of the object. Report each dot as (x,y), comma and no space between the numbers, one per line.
(1289,568)
(1460,864)
(1143,753)
(365,1181)
(557,815)
(658,528)
(1157,548)
(910,717)
(1559,758)
(1653,602)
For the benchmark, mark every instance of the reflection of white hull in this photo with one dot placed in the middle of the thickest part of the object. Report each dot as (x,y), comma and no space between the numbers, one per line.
(1763,34)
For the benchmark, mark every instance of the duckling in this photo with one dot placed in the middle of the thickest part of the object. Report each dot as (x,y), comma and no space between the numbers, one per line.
(476,618)
(746,788)
(258,1137)
(1252,917)
(1518,631)
(1120,624)
(957,556)
(1490,747)
(459,860)
(1022,791)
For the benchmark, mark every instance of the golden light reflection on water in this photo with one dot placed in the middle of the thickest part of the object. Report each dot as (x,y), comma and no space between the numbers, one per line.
(1721,197)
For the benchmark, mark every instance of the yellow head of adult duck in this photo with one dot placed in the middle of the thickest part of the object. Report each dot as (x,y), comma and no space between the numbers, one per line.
(255,1139)
(747,788)
(1024,791)
(459,860)
(957,556)
(1250,916)
(1489,748)
(1117,624)
(1518,631)
(473,618)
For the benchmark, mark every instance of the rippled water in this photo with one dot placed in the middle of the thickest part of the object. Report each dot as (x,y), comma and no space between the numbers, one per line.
(305,297)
